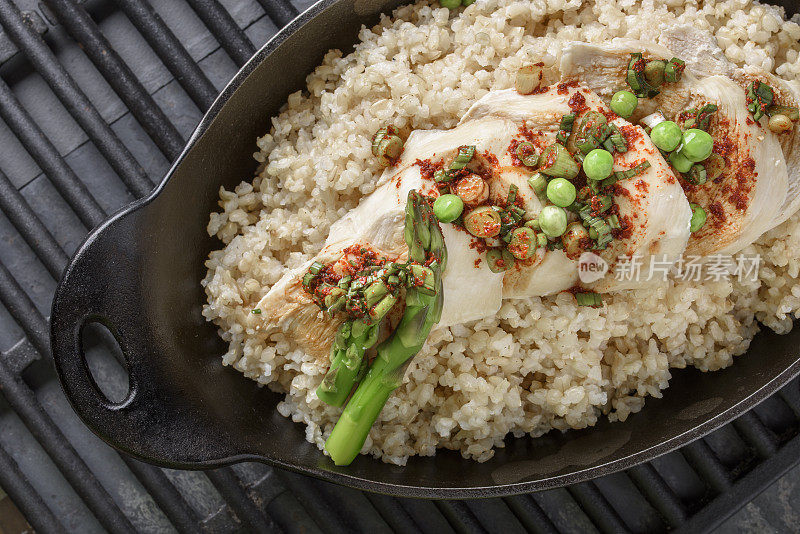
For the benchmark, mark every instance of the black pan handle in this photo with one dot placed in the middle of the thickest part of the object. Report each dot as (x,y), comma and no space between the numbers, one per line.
(100,285)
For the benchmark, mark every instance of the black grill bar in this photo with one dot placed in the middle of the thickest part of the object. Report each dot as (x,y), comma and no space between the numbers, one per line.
(170,51)
(280,11)
(246,511)
(229,35)
(49,436)
(14,483)
(705,462)
(49,160)
(598,508)
(460,517)
(124,82)
(165,495)
(31,228)
(20,306)
(658,494)
(23,401)
(750,427)
(531,514)
(76,102)
(24,312)
(394,514)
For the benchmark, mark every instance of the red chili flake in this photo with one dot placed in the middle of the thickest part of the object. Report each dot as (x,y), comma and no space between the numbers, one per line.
(577,103)
(631,133)
(477,263)
(625,230)
(491,158)
(718,212)
(563,88)
(427,168)
(641,185)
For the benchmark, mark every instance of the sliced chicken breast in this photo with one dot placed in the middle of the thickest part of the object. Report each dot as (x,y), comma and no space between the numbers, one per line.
(751,196)
(652,205)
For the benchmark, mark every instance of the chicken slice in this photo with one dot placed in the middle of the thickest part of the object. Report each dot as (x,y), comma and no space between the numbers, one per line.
(651,205)
(741,204)
(378,223)
(751,195)
(603,69)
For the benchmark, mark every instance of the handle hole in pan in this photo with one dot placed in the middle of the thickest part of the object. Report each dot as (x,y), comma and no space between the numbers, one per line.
(105,361)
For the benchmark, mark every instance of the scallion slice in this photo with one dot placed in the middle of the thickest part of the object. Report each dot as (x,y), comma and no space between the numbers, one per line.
(465,154)
(589,299)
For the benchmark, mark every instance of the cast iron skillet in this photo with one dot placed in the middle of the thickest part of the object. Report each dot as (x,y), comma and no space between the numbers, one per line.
(139,274)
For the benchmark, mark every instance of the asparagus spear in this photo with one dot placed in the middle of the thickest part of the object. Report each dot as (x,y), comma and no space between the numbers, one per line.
(347,355)
(423,309)
(352,341)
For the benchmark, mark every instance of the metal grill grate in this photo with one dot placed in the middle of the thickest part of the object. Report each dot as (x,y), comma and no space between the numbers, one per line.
(96,98)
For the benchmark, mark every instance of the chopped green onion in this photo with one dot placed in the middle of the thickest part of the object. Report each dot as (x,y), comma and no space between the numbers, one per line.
(443,176)
(715,166)
(256,311)
(538,183)
(567,121)
(523,243)
(483,221)
(697,174)
(654,72)
(307,279)
(584,193)
(374,292)
(698,218)
(633,171)
(618,140)
(673,70)
(588,299)
(759,98)
(512,194)
(636,78)
(316,267)
(557,162)
(386,146)
(574,238)
(499,260)
(526,153)
(704,116)
(790,111)
(379,310)
(465,154)
(613,222)
(529,77)
(604,201)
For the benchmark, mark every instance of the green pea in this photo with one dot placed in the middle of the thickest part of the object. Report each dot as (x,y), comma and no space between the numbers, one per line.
(561,192)
(598,164)
(679,161)
(624,103)
(697,145)
(698,218)
(450,4)
(553,220)
(666,135)
(466,3)
(448,208)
